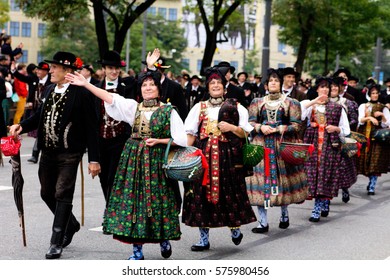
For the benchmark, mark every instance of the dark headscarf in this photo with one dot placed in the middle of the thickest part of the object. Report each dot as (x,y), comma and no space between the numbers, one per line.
(215,73)
(155,75)
(276,73)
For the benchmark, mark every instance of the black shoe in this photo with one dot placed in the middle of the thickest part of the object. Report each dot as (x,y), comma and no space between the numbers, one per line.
(324,213)
(134,258)
(54,252)
(105,232)
(198,248)
(284,225)
(69,235)
(345,197)
(370,193)
(260,229)
(314,220)
(166,253)
(238,239)
(33,159)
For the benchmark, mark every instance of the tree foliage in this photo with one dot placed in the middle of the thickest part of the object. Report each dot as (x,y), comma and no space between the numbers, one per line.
(4,10)
(122,14)
(330,27)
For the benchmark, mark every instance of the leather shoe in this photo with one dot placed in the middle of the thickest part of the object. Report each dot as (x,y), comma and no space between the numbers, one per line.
(324,213)
(284,225)
(198,248)
(54,252)
(167,253)
(238,239)
(314,220)
(260,229)
(69,236)
(33,160)
(370,193)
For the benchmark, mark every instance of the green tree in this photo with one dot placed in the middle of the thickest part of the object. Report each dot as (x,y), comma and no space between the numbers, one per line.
(219,12)
(330,27)
(122,14)
(4,10)
(79,39)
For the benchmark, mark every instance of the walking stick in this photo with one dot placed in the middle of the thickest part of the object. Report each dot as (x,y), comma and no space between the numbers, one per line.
(82,192)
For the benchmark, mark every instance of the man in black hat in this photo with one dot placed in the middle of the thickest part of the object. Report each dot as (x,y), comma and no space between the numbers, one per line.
(385,93)
(37,81)
(195,92)
(289,84)
(66,123)
(258,86)
(87,71)
(112,134)
(232,91)
(359,98)
(172,92)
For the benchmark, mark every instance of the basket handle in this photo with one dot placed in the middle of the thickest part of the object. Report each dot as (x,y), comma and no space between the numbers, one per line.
(167,151)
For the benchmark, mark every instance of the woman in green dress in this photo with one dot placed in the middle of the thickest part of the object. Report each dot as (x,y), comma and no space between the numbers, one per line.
(143,207)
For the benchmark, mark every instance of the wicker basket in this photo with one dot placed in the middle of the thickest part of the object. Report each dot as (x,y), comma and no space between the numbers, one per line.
(360,138)
(295,153)
(183,163)
(349,146)
(252,153)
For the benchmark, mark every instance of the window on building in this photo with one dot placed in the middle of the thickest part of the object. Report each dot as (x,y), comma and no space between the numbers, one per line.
(281,65)
(185,62)
(152,11)
(41,30)
(281,47)
(14,6)
(172,14)
(162,12)
(24,57)
(26,29)
(39,57)
(199,65)
(234,63)
(14,28)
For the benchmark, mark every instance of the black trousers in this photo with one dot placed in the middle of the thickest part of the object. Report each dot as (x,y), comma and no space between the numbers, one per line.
(57,175)
(110,153)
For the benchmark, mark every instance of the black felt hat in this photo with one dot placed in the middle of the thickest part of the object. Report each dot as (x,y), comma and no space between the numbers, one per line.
(89,68)
(243,73)
(288,71)
(112,58)
(225,66)
(196,77)
(66,59)
(342,70)
(43,66)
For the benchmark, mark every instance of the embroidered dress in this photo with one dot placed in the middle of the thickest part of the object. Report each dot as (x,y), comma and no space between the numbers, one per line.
(374,159)
(323,166)
(142,206)
(224,201)
(286,183)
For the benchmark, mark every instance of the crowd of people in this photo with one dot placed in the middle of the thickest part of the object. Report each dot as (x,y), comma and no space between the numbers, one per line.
(125,122)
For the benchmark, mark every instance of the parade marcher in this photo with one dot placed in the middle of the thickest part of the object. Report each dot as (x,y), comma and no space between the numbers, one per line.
(113,134)
(217,127)
(258,86)
(359,98)
(374,160)
(385,93)
(195,92)
(7,49)
(289,88)
(273,116)
(348,173)
(232,91)
(328,122)
(87,71)
(142,207)
(66,123)
(21,90)
(3,96)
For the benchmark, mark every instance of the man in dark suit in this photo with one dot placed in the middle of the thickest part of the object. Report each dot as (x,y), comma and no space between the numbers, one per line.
(357,95)
(112,134)
(66,123)
(385,93)
(194,92)
(258,87)
(36,85)
(87,71)
(232,91)
(289,87)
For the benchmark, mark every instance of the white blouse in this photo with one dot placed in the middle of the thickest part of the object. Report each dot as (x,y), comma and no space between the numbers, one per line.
(345,130)
(191,123)
(123,109)
(362,114)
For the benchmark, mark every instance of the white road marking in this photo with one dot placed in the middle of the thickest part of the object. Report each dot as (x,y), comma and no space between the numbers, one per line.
(5,188)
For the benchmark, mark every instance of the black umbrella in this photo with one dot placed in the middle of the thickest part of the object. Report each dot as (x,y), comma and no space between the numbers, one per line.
(17,184)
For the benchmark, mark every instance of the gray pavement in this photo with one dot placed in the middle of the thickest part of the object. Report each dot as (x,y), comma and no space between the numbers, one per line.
(358,230)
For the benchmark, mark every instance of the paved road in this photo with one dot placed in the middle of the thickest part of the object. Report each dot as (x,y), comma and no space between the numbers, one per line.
(358,230)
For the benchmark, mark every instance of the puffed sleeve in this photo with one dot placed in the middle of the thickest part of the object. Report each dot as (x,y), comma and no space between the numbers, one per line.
(177,129)
(344,124)
(386,112)
(306,112)
(361,113)
(121,109)
(244,119)
(191,123)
